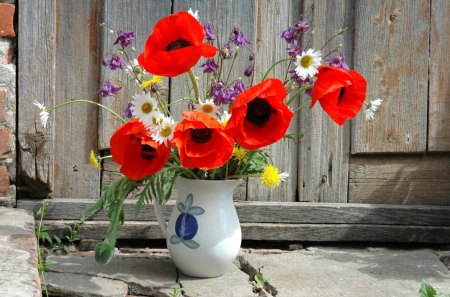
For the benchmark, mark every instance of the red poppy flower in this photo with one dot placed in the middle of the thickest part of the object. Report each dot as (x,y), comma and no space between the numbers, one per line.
(202,141)
(259,116)
(175,45)
(136,152)
(340,92)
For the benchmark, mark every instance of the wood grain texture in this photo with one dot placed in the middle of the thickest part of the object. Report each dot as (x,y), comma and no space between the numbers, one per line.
(77,77)
(400,179)
(95,230)
(37,63)
(272,212)
(439,101)
(392,53)
(325,146)
(138,16)
(272,17)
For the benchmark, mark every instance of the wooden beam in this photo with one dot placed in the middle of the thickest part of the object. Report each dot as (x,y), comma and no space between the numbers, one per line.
(273,212)
(275,232)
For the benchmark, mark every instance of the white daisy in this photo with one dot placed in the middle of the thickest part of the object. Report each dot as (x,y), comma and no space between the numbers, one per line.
(144,108)
(163,132)
(194,14)
(307,63)
(43,115)
(207,107)
(371,107)
(284,176)
(225,117)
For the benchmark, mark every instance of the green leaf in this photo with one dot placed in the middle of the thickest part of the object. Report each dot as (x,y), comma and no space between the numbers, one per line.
(260,281)
(189,201)
(57,239)
(442,295)
(50,262)
(196,211)
(104,252)
(426,290)
(175,239)
(47,238)
(191,244)
(181,207)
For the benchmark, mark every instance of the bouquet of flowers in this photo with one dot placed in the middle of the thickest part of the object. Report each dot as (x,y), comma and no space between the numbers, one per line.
(225,127)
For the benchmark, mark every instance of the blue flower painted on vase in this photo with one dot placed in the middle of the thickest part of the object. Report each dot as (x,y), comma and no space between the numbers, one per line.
(186,226)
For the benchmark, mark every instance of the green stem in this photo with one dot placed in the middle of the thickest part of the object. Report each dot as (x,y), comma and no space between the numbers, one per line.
(273,65)
(86,101)
(178,101)
(231,67)
(302,106)
(194,84)
(301,90)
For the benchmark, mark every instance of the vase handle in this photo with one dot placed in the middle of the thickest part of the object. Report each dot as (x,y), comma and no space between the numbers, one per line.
(160,217)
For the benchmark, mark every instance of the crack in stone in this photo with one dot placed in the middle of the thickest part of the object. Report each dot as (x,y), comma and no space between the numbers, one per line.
(251,271)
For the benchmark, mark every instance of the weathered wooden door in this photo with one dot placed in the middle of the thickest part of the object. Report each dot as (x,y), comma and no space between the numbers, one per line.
(387,179)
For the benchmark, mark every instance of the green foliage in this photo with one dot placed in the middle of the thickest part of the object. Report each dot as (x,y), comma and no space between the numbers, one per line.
(426,290)
(260,280)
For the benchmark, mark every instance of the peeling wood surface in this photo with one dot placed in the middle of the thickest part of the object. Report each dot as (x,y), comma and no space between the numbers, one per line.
(139,16)
(392,53)
(324,147)
(271,212)
(439,101)
(400,179)
(95,230)
(37,68)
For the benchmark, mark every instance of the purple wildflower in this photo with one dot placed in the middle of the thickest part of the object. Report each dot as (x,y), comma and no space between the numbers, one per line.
(124,38)
(302,26)
(126,113)
(288,34)
(294,52)
(225,51)
(221,93)
(108,89)
(239,87)
(238,38)
(114,63)
(300,82)
(251,57)
(191,105)
(249,70)
(210,66)
(339,61)
(210,35)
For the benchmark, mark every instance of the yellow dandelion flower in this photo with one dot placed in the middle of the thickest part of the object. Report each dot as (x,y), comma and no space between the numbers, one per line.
(270,177)
(240,154)
(156,79)
(94,160)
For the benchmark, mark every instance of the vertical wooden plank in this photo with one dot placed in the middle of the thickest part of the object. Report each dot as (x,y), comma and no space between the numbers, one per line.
(77,74)
(392,52)
(140,17)
(439,108)
(37,52)
(324,147)
(272,17)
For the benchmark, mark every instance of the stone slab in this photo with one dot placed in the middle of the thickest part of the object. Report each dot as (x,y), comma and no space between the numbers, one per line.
(76,285)
(370,272)
(232,284)
(19,276)
(144,274)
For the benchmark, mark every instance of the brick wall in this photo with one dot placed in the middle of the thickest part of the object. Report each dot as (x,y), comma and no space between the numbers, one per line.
(7,104)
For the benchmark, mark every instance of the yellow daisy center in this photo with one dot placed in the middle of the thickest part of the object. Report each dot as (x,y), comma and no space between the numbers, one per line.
(270,177)
(207,108)
(147,108)
(93,160)
(306,61)
(240,154)
(166,131)
(155,121)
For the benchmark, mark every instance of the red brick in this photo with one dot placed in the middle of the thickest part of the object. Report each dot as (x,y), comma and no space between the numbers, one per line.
(2,105)
(7,20)
(5,142)
(9,56)
(4,181)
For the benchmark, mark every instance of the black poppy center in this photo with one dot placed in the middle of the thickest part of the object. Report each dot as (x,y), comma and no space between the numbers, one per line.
(341,94)
(147,152)
(201,135)
(259,112)
(177,44)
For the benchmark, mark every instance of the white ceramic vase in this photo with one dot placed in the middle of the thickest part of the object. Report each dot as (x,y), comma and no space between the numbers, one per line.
(204,235)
